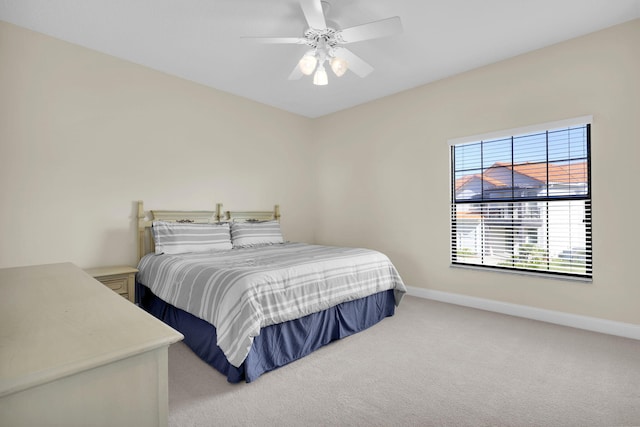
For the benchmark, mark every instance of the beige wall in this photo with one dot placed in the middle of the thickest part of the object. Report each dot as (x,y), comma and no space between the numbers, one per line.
(84,135)
(384,171)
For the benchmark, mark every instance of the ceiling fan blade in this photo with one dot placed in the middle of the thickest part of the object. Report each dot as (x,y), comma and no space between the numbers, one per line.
(278,40)
(372,30)
(354,62)
(296,73)
(313,13)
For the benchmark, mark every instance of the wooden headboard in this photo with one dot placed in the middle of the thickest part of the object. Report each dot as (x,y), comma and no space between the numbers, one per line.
(145,239)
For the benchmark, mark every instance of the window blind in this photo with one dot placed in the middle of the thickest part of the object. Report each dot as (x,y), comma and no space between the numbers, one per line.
(523,202)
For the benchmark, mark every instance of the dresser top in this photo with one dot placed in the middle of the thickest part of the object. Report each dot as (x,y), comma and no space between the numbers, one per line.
(56,320)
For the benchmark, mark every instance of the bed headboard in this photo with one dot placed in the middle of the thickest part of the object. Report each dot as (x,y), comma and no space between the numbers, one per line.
(145,239)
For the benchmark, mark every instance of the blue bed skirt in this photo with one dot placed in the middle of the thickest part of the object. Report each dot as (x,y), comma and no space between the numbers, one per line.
(278,344)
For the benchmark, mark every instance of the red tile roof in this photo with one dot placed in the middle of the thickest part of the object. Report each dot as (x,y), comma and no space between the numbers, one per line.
(567,173)
(465,179)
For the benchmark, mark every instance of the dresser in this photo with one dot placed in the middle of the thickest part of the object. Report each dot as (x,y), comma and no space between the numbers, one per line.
(75,353)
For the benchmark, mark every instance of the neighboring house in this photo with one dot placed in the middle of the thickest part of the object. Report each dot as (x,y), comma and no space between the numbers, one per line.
(531,220)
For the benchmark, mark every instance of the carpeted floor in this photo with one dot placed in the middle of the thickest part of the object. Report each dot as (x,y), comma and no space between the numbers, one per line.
(432,364)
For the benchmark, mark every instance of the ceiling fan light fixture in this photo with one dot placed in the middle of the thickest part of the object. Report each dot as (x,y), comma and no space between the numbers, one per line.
(320,77)
(339,66)
(308,63)
(325,39)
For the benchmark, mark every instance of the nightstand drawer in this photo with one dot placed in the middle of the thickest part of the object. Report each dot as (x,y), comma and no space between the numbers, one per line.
(118,284)
(120,278)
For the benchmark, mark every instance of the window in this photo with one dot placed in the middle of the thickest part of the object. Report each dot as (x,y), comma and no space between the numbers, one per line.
(521,200)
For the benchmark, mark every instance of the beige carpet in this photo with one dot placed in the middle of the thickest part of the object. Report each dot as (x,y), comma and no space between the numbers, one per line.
(432,364)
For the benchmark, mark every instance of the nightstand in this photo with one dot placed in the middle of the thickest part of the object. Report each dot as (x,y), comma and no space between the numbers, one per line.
(120,278)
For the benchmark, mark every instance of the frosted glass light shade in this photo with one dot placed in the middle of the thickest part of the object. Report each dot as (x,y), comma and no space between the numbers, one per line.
(320,77)
(307,64)
(339,66)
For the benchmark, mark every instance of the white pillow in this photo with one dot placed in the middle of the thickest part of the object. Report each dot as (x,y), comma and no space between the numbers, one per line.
(244,234)
(178,238)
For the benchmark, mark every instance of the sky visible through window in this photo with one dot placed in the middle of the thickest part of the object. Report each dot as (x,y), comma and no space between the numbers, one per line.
(561,147)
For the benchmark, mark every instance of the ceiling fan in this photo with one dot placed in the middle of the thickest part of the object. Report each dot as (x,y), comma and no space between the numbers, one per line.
(326,43)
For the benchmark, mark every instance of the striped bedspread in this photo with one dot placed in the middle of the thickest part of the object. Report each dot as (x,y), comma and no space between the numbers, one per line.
(240,291)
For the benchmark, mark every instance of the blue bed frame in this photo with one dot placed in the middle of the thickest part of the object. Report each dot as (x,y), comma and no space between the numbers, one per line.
(278,344)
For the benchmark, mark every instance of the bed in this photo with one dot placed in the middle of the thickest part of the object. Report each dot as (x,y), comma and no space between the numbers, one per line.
(246,300)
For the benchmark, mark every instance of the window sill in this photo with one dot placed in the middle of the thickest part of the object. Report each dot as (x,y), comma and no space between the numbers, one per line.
(523,273)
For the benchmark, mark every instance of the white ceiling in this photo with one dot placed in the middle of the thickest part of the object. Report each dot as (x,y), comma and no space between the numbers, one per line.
(201,40)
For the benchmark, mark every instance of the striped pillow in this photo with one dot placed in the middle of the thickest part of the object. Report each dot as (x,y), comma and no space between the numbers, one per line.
(178,238)
(244,234)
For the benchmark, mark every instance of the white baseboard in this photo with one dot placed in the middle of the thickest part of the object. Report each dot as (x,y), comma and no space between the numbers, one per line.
(594,324)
